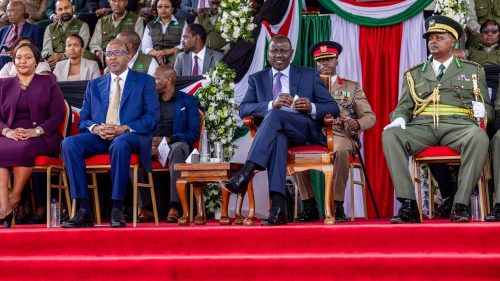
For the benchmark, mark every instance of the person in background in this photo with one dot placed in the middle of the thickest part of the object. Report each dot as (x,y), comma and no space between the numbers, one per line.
(31,109)
(54,39)
(76,68)
(138,61)
(197,59)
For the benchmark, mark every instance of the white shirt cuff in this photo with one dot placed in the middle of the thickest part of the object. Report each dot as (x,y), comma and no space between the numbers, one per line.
(313,111)
(270,105)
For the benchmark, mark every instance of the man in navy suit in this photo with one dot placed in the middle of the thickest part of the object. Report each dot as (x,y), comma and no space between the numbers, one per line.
(18,28)
(293,101)
(179,125)
(119,113)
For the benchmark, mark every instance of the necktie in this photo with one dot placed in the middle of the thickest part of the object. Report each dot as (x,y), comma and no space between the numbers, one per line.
(112,114)
(441,72)
(202,4)
(277,84)
(195,67)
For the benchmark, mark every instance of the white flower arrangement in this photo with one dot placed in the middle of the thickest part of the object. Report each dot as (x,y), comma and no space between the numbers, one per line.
(455,9)
(235,20)
(217,99)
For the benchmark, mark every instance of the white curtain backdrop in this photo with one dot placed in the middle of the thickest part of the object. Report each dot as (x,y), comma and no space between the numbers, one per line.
(375,12)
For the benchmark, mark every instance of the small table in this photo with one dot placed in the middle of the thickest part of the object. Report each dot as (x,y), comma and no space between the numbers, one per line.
(198,173)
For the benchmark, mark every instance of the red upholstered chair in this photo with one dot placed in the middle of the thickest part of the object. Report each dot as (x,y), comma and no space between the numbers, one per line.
(442,155)
(310,157)
(54,166)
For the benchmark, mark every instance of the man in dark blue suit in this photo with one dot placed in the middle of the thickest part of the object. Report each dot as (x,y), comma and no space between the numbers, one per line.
(119,113)
(293,101)
(18,28)
(179,125)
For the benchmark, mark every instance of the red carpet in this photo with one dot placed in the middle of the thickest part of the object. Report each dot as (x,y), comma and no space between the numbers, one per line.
(373,250)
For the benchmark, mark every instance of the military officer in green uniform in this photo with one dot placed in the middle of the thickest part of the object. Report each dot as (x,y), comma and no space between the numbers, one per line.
(108,27)
(356,115)
(139,61)
(54,39)
(441,102)
(478,12)
(207,20)
(488,51)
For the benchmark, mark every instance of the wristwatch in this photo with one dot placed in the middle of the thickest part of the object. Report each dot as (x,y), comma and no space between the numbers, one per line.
(38,131)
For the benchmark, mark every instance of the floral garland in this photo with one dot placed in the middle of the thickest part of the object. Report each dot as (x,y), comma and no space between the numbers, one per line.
(217,99)
(235,20)
(455,9)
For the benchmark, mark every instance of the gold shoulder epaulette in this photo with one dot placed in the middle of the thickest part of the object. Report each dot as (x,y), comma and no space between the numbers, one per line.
(350,80)
(470,62)
(415,66)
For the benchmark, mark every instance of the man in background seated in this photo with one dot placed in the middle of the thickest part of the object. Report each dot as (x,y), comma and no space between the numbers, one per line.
(139,61)
(287,121)
(197,59)
(356,116)
(207,20)
(18,28)
(488,51)
(119,113)
(54,39)
(108,27)
(179,125)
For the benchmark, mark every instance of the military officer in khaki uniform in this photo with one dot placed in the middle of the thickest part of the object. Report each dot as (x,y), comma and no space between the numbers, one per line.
(441,102)
(356,115)
(207,20)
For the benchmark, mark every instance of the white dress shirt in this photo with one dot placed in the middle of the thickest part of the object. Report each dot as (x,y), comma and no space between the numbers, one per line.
(147,41)
(201,57)
(436,64)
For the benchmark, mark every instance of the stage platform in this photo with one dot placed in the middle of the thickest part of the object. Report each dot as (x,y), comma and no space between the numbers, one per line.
(363,250)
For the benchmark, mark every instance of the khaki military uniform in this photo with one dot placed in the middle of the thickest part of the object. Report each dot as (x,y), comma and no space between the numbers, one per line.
(353,104)
(446,120)
(214,39)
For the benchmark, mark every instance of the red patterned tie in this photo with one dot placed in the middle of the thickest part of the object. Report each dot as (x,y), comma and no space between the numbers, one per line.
(195,68)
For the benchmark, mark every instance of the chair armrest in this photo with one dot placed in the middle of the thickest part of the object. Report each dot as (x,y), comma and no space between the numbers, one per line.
(249,121)
(329,132)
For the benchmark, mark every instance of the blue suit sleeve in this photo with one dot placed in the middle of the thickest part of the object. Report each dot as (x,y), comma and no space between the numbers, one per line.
(323,100)
(250,106)
(85,113)
(193,133)
(151,109)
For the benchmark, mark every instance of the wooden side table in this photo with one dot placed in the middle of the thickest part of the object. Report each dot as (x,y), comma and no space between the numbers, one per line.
(198,173)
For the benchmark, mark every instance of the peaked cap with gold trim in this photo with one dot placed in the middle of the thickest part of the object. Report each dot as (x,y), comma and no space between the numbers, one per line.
(325,50)
(442,24)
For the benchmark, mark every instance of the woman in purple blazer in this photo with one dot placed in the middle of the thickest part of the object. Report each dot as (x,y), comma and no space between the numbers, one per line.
(31,109)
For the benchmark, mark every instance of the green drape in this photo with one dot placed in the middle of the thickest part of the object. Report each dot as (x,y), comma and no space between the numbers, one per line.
(367,21)
(314,29)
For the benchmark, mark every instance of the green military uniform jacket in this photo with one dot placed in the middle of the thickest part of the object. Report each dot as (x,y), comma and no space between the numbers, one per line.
(109,31)
(455,90)
(214,39)
(487,9)
(482,57)
(58,34)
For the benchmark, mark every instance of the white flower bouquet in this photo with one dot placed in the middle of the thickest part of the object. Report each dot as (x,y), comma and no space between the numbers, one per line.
(235,20)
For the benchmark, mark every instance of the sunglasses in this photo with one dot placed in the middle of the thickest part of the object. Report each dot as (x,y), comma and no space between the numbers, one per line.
(115,53)
(493,31)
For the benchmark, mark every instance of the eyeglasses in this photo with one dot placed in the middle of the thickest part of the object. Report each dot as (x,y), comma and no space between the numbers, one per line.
(164,7)
(117,53)
(279,51)
(492,31)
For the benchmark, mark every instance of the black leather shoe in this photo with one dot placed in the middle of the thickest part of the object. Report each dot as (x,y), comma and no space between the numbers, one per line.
(81,219)
(117,218)
(34,219)
(310,213)
(237,184)
(277,216)
(494,215)
(460,213)
(22,219)
(408,212)
(444,210)
(7,221)
(339,211)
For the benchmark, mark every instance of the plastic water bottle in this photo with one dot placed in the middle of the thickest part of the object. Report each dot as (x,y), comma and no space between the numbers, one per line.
(474,207)
(55,213)
(205,148)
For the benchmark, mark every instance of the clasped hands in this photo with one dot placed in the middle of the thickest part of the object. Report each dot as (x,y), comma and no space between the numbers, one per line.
(109,131)
(285,99)
(21,134)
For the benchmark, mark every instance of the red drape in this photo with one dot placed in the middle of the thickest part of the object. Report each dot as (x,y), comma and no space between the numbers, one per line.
(379,48)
